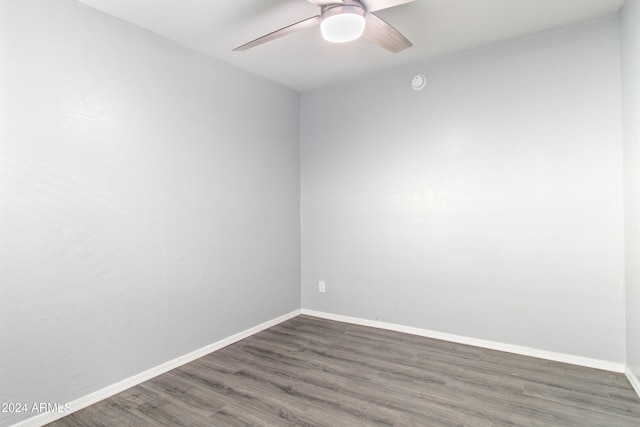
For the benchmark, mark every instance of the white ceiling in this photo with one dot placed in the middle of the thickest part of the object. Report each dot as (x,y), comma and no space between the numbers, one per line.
(304,61)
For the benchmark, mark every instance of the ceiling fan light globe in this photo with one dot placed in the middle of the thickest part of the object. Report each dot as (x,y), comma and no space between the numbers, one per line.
(343,27)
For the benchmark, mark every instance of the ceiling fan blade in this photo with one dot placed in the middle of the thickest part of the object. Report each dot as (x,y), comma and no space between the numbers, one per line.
(304,24)
(384,35)
(373,5)
(325,2)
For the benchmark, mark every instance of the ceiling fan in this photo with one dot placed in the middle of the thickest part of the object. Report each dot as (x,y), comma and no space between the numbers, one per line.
(346,20)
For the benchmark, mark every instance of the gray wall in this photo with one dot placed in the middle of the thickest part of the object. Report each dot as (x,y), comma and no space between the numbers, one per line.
(488,205)
(149,201)
(630,19)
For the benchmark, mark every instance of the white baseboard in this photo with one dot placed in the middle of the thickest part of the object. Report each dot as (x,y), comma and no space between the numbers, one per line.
(635,382)
(509,348)
(113,389)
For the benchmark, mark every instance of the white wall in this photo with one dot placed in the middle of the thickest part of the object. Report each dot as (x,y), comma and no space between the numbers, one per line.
(630,25)
(149,201)
(488,205)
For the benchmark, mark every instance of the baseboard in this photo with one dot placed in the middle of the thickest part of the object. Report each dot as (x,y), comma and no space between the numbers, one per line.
(635,382)
(509,348)
(111,390)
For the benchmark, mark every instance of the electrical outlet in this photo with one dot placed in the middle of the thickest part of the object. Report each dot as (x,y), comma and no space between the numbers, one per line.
(322,288)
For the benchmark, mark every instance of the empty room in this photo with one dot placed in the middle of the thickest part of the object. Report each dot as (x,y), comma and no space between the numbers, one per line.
(320,213)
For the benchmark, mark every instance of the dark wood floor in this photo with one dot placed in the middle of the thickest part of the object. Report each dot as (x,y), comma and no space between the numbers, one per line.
(315,372)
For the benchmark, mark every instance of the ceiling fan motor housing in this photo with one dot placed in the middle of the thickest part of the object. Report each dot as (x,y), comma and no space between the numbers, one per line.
(343,22)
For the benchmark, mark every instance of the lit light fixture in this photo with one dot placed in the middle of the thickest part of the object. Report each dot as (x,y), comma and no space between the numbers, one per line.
(342,23)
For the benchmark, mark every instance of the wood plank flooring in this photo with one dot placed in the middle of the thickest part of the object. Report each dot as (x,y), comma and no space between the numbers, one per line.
(314,372)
